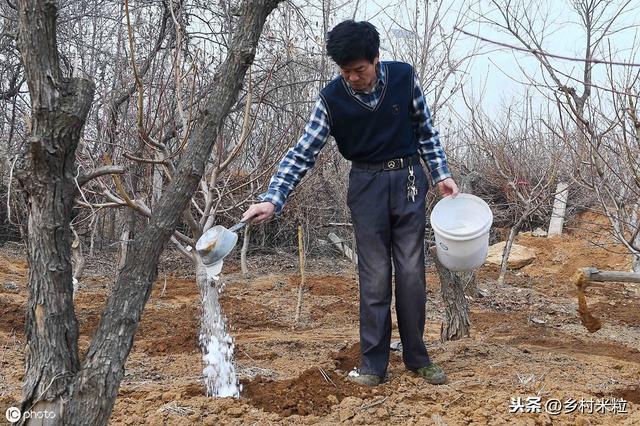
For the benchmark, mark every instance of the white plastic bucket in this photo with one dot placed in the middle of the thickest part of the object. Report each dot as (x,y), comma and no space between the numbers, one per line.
(461,227)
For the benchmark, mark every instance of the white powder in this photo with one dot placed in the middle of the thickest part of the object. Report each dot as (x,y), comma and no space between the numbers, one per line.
(217,345)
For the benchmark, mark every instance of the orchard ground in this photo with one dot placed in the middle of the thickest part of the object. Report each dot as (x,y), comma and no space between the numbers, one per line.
(526,343)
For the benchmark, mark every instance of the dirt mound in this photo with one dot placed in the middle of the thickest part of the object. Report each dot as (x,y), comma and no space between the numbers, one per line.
(310,393)
(561,257)
(347,358)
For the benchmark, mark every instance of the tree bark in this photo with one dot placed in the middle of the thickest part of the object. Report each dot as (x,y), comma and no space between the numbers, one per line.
(95,387)
(81,394)
(46,172)
(456,323)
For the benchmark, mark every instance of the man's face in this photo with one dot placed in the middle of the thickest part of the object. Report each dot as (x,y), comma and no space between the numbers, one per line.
(360,74)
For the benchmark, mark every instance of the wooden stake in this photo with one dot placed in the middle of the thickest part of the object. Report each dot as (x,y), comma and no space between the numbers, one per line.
(301,288)
(245,248)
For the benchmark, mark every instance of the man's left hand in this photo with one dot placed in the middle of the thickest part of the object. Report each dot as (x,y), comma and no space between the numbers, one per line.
(448,187)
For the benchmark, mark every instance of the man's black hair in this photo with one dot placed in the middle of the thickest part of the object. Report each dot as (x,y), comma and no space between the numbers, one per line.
(350,41)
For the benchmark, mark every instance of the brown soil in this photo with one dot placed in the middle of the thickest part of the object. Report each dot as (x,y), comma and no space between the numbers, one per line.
(526,340)
(348,358)
(326,285)
(631,394)
(310,393)
(13,316)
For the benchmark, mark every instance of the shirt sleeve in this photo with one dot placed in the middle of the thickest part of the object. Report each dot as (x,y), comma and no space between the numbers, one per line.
(428,138)
(300,158)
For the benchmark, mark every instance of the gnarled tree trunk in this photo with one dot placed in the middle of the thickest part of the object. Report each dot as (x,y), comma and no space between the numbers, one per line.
(46,172)
(55,380)
(454,287)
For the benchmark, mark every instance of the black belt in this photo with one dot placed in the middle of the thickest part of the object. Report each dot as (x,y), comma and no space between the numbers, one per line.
(392,164)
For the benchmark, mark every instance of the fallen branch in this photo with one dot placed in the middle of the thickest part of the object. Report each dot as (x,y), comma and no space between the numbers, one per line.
(593,274)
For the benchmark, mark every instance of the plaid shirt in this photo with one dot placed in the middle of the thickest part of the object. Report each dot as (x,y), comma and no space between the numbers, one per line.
(302,156)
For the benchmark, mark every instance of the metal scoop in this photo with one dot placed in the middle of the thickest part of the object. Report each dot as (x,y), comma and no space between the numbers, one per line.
(217,242)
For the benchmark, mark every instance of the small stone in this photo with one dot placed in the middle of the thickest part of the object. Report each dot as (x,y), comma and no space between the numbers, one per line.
(332,399)
(345,414)
(539,232)
(350,401)
(518,257)
(381,412)
(10,286)
(167,396)
(484,293)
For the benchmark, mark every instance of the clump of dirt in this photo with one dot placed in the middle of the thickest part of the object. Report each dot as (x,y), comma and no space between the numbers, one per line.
(590,322)
(347,358)
(310,393)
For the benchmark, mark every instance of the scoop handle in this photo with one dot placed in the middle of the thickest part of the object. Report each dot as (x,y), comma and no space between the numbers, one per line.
(238,226)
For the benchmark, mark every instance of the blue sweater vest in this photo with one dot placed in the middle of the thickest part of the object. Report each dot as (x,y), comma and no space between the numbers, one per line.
(374,135)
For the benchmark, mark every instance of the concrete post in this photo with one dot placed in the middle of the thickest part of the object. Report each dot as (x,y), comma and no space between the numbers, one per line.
(559,208)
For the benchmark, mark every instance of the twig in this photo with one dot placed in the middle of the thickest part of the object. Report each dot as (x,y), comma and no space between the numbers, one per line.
(550,55)
(301,288)
(374,403)
(326,377)
(451,402)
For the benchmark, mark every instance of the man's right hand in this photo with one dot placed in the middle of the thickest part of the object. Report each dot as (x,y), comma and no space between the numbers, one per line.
(259,212)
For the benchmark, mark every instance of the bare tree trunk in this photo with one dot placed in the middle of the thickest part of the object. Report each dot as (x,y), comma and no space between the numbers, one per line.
(81,394)
(635,225)
(46,172)
(456,324)
(508,244)
(124,244)
(77,261)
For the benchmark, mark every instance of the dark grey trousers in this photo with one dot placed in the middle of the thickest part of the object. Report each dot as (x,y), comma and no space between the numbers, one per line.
(388,226)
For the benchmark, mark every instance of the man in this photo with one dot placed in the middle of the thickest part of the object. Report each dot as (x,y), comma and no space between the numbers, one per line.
(377,114)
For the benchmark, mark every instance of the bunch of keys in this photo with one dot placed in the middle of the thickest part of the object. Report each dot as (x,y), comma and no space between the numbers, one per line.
(412,191)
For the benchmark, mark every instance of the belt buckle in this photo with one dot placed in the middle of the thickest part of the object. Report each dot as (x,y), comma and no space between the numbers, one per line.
(393,164)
